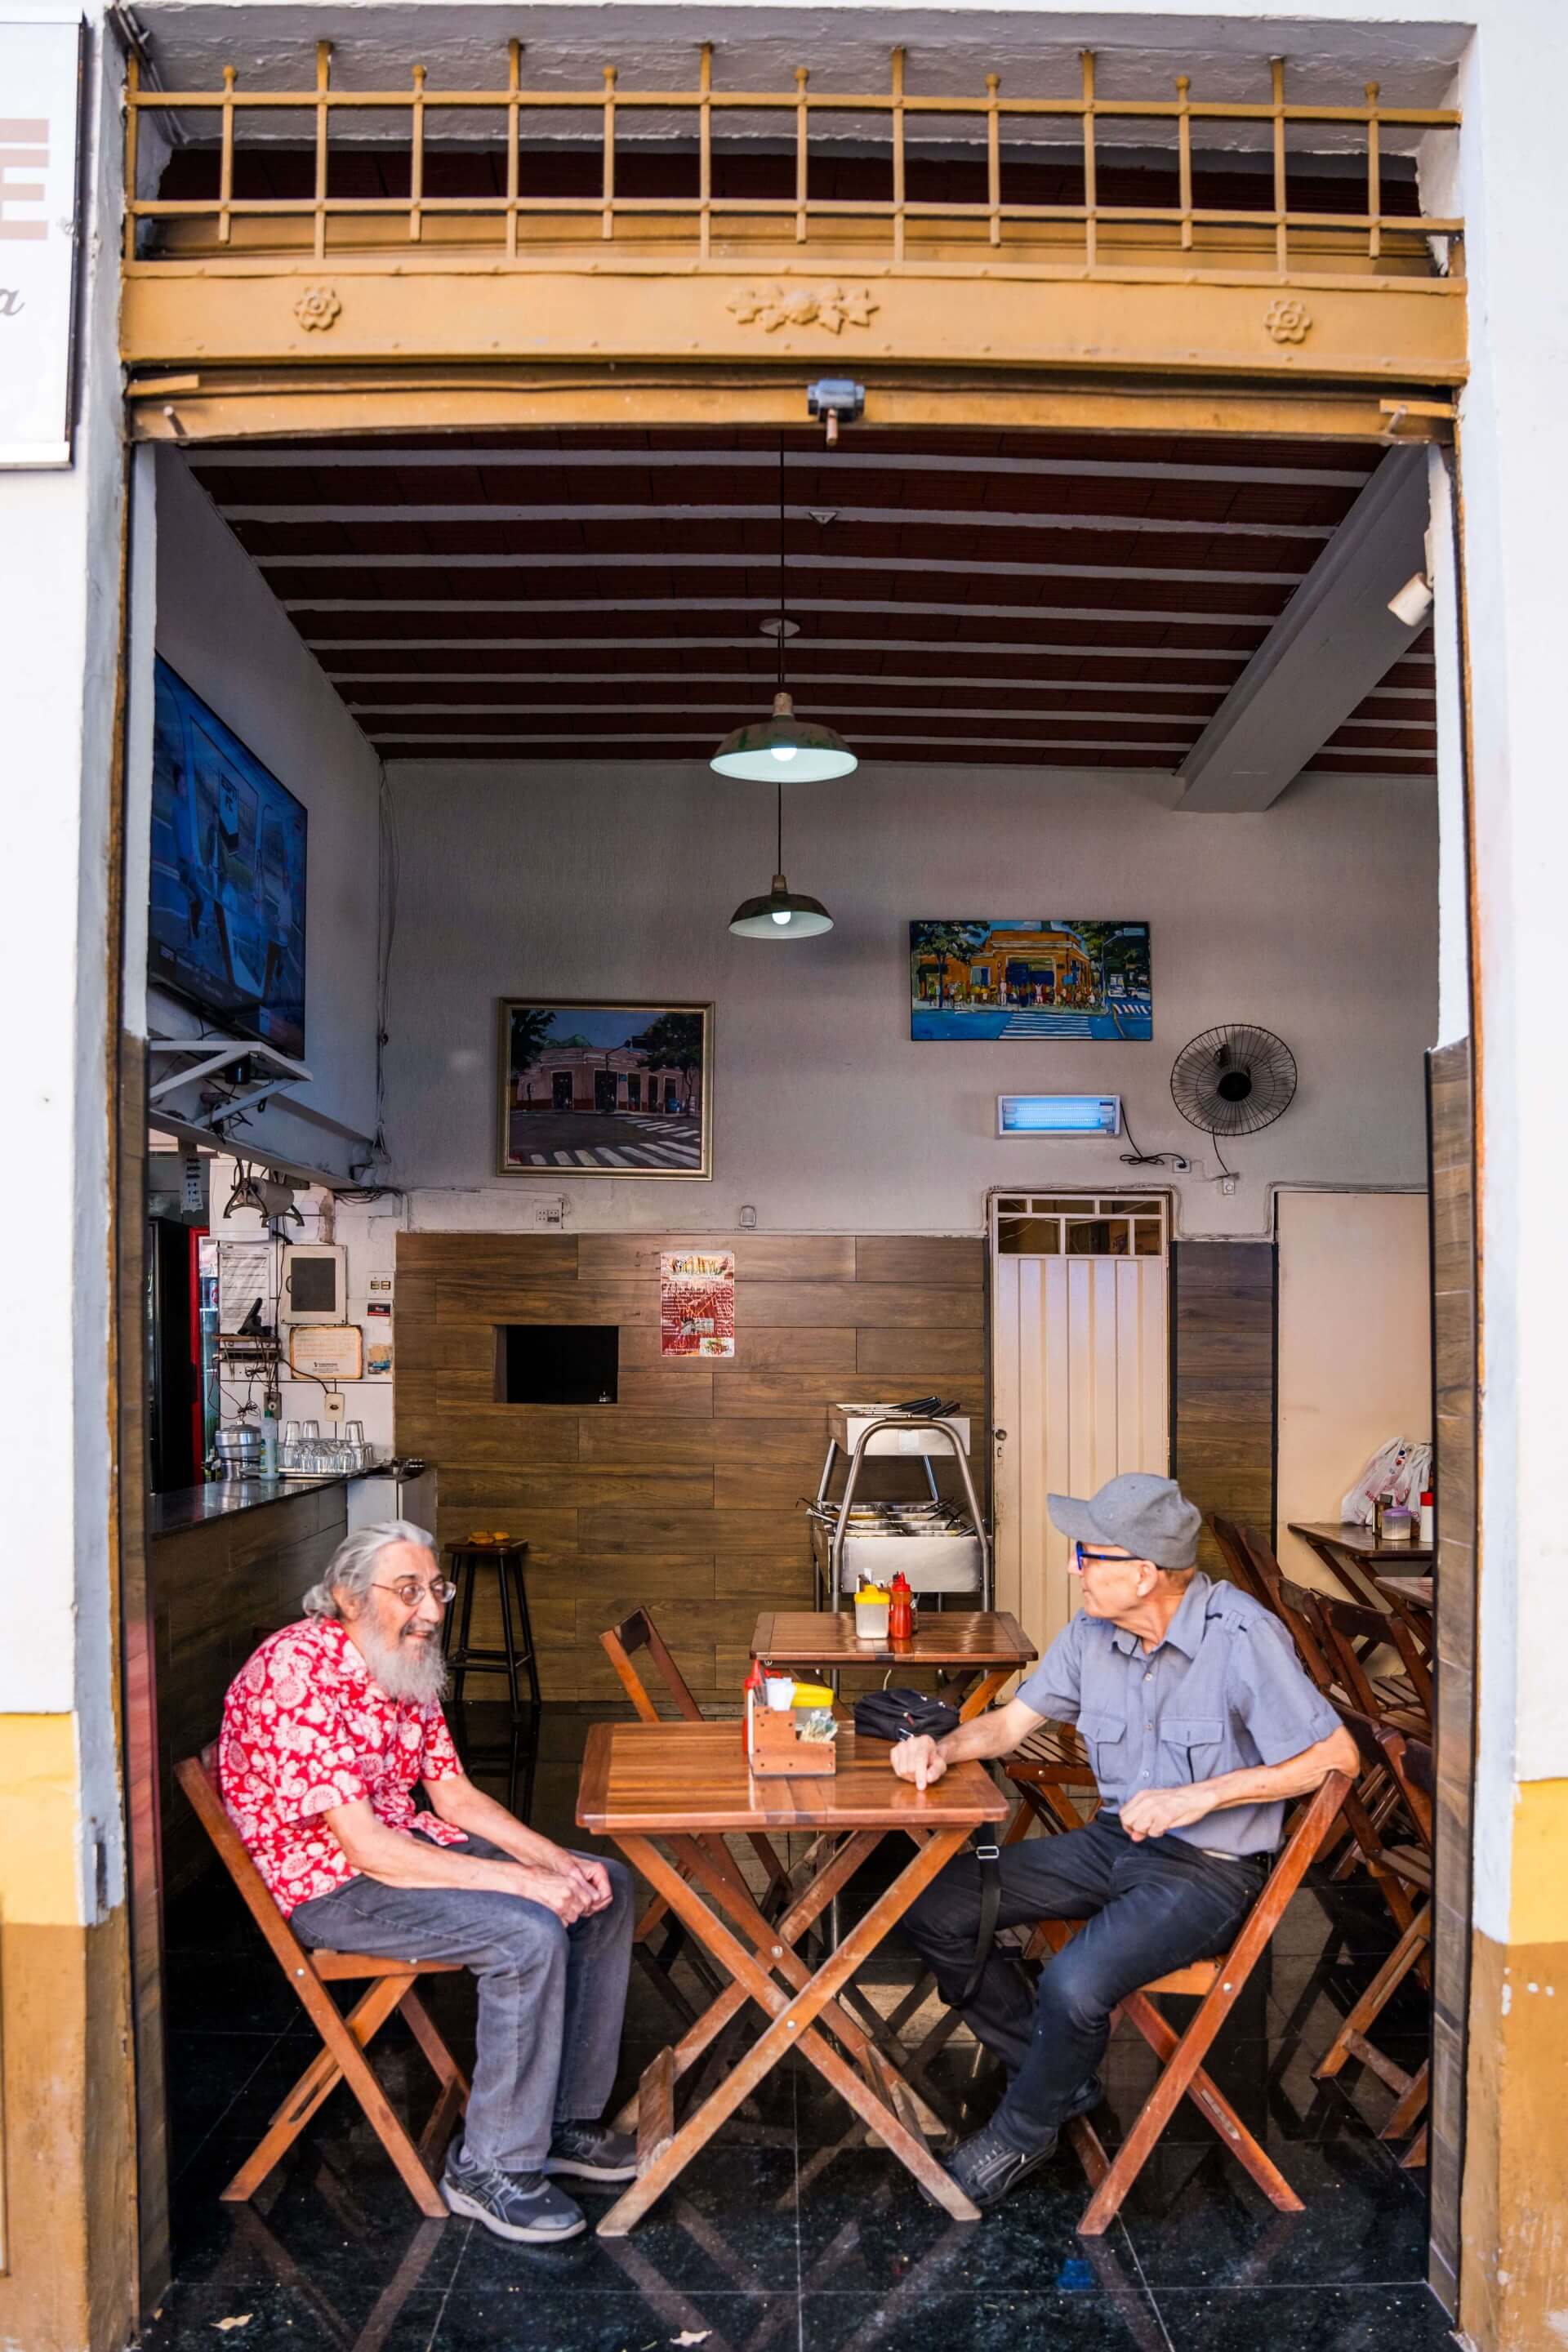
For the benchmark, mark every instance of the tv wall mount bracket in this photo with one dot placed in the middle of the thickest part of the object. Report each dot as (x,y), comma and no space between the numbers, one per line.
(211,1054)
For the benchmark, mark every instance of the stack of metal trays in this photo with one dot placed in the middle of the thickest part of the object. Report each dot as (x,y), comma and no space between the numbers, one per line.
(936,1546)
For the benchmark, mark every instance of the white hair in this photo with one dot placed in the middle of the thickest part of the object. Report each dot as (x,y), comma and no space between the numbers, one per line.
(350,1569)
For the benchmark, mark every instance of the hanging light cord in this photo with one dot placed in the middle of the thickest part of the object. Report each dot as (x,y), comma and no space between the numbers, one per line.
(781,687)
(779,866)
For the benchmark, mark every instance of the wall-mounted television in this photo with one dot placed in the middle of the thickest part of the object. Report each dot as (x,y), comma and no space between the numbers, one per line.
(227,929)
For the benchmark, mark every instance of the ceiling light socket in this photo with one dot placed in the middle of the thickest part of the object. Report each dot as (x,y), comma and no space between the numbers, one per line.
(1413,602)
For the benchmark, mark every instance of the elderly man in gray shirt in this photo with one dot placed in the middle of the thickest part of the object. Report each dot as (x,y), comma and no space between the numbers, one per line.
(1201,1727)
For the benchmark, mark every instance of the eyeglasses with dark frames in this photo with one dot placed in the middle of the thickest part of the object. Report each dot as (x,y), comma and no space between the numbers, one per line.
(1081,1556)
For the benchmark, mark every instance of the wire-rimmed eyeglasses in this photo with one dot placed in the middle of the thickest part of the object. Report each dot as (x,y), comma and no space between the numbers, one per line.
(411,1592)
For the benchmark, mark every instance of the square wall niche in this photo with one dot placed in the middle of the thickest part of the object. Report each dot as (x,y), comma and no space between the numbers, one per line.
(557,1363)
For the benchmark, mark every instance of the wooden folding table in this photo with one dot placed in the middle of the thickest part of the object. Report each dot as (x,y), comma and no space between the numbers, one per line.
(981,1649)
(668,1794)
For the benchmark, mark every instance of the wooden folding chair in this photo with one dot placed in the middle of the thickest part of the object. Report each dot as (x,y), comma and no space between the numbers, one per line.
(1183,2076)
(1043,1768)
(345,2040)
(621,1642)
(1234,1551)
(1352,1635)
(1411,1762)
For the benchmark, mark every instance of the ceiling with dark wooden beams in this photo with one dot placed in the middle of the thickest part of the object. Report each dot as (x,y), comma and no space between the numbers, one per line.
(1061,601)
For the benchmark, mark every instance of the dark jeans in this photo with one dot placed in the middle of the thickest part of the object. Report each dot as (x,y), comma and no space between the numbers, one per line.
(1150,1907)
(551,1998)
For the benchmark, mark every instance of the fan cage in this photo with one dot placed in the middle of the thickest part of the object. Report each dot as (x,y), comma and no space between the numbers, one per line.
(1203,1063)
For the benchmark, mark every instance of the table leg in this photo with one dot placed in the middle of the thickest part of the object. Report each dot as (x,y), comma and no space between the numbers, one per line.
(732,1893)
(792,2026)
(802,1914)
(983,1692)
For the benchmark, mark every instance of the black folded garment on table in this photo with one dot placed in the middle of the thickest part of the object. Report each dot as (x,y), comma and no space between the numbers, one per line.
(901,1713)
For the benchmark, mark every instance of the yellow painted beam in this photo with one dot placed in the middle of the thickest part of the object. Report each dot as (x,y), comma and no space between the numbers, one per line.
(357,309)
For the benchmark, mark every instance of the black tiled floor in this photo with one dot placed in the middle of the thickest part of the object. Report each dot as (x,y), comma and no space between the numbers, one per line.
(789,2234)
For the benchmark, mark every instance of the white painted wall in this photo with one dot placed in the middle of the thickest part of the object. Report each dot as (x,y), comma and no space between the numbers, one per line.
(1317,920)
(59,608)
(1355,1348)
(220,625)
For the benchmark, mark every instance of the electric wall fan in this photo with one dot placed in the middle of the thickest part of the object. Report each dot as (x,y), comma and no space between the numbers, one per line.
(1234,1080)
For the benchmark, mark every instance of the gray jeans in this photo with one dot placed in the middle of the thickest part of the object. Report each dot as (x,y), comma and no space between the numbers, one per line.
(551,1998)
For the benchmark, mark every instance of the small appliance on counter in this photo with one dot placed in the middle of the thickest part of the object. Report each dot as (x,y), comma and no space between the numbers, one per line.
(236,1450)
(403,1487)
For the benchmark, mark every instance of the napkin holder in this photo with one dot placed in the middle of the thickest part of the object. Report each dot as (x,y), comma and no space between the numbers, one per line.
(777,1748)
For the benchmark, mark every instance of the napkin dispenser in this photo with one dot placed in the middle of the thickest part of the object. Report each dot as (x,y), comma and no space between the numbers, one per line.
(793,1741)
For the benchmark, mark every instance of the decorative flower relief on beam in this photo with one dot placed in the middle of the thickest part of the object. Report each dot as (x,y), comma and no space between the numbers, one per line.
(833,307)
(1287,321)
(318,307)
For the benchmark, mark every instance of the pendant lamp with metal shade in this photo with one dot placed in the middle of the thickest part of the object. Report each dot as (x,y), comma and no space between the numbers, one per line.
(784,745)
(784,914)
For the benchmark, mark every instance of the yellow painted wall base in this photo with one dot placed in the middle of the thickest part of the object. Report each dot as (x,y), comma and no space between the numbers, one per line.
(38,1822)
(1514,2290)
(71,2184)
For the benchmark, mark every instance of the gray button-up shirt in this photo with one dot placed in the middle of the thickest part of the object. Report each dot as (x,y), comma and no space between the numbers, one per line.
(1222,1692)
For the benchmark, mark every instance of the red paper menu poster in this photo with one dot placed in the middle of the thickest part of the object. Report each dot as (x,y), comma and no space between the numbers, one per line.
(697,1302)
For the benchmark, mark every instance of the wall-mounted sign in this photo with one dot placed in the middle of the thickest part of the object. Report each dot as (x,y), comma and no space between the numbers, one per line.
(697,1302)
(40,130)
(327,1351)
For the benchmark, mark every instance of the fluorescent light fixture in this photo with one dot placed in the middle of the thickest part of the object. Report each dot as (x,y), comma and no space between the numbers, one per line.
(1059,1114)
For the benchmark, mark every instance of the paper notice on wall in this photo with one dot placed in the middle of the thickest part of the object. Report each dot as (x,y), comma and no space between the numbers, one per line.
(697,1302)
(245,1280)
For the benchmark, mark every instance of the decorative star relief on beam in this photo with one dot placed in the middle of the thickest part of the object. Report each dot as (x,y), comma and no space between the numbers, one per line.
(833,307)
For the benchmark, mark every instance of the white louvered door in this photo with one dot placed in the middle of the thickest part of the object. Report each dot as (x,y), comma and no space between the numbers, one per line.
(1079,1374)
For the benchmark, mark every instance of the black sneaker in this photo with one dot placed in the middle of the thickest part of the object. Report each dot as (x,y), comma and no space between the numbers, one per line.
(522,2206)
(986,2166)
(593,2152)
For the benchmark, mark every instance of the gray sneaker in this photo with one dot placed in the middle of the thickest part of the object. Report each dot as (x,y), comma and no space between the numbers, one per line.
(593,2152)
(522,2206)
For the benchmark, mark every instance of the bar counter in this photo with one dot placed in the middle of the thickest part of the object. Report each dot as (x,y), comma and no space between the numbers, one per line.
(227,1565)
(222,1498)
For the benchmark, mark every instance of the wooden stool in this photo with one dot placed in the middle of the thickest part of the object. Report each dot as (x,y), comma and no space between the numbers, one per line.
(505,1558)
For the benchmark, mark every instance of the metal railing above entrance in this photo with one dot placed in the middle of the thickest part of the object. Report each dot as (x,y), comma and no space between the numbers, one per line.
(1281,237)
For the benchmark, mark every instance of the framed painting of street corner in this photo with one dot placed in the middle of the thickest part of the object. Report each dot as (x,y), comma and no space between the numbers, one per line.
(598,1089)
(1031,976)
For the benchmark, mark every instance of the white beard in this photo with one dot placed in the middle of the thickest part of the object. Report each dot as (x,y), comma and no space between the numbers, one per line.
(410,1669)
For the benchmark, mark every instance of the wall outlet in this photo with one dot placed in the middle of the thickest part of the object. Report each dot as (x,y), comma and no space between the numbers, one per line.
(332,1404)
(749,1218)
(549,1214)
(1227,1185)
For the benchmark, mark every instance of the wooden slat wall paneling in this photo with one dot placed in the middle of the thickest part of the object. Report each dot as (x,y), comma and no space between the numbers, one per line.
(685,1493)
(1223,1320)
(1451,1151)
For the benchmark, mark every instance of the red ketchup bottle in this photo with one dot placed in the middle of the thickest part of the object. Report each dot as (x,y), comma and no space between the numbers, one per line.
(901,1615)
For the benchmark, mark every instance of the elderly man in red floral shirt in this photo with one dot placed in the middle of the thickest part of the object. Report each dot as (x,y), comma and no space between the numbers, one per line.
(326,1732)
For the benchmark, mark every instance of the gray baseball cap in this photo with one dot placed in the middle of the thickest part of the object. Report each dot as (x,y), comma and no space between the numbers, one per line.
(1148,1516)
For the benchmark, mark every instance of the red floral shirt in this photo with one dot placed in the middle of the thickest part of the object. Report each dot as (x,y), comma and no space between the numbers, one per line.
(305,1729)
